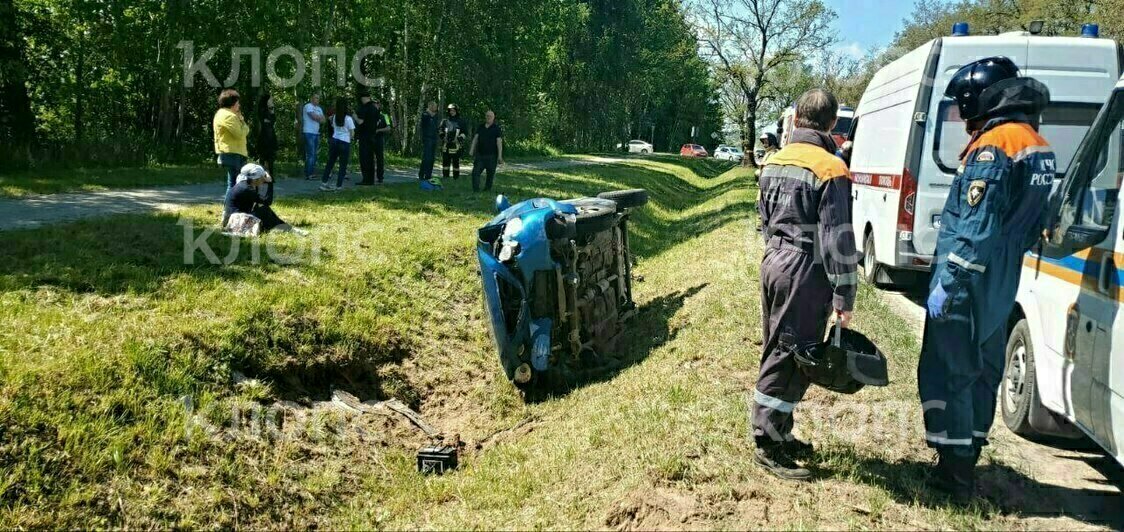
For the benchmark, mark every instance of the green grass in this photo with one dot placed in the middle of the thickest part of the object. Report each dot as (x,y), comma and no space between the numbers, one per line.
(124,403)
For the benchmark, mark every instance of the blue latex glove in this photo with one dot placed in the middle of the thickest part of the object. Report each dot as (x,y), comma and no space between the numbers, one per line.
(937,299)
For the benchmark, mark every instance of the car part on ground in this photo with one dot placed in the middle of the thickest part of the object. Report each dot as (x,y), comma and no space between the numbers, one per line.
(557,282)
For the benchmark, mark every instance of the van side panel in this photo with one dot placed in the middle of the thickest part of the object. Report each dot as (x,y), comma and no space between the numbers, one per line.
(885,116)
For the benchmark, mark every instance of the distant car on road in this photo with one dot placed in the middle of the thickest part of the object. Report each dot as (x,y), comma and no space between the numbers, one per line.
(729,153)
(693,150)
(638,146)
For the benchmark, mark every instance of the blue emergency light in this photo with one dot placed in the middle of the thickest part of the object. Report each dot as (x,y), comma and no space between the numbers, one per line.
(1091,31)
(960,29)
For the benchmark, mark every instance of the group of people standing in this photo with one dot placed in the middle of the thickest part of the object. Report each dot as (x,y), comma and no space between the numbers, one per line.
(371,126)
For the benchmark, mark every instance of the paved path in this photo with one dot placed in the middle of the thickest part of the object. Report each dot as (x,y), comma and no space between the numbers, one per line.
(35,211)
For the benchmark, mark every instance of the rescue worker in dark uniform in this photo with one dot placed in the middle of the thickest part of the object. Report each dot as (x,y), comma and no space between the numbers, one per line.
(453,133)
(807,274)
(994,214)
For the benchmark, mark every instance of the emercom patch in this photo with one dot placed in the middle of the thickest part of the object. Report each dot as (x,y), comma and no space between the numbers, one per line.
(976,192)
(985,157)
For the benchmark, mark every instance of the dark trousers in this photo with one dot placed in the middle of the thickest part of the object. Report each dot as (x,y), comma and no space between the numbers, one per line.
(429,156)
(795,306)
(269,219)
(380,157)
(451,160)
(958,378)
(340,151)
(367,158)
(484,163)
(232,163)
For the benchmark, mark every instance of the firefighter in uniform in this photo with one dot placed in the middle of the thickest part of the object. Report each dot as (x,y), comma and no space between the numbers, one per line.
(452,132)
(993,216)
(807,274)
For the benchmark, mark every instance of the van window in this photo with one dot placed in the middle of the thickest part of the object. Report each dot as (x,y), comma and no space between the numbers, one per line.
(843,125)
(1090,193)
(1064,124)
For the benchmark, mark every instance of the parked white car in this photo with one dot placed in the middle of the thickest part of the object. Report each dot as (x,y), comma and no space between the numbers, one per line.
(729,153)
(638,146)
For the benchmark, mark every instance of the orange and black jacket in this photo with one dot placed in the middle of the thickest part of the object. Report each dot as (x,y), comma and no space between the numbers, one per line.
(806,205)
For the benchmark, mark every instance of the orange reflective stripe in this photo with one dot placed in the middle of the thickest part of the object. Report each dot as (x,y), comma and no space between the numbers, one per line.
(1012,138)
(812,158)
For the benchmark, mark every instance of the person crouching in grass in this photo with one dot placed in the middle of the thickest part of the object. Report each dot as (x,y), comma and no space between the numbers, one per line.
(249,212)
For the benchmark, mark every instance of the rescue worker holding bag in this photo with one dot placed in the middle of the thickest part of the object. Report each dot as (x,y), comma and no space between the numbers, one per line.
(993,216)
(808,272)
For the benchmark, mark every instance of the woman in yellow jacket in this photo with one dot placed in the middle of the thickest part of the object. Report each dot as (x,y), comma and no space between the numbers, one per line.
(231,131)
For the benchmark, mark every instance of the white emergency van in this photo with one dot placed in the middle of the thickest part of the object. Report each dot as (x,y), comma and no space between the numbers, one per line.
(908,137)
(1065,355)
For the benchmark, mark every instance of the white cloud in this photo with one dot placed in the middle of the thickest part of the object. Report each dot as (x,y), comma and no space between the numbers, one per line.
(852,49)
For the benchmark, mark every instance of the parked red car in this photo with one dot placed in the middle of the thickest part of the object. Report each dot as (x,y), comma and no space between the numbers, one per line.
(693,150)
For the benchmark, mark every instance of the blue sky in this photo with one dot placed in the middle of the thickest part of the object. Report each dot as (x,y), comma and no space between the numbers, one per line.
(866,24)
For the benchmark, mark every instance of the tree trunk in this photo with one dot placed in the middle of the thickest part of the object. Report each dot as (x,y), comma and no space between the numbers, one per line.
(17,121)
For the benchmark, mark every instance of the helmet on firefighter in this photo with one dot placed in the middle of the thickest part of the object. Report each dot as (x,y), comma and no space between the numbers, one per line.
(970,82)
(845,364)
(451,108)
(768,139)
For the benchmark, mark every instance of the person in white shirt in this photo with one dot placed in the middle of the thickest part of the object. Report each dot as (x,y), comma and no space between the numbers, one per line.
(311,117)
(339,146)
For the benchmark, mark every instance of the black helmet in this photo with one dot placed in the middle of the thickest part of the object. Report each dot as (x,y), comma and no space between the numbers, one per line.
(844,365)
(969,83)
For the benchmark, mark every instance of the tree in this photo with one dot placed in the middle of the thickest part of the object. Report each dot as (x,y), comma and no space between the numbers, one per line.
(17,122)
(747,41)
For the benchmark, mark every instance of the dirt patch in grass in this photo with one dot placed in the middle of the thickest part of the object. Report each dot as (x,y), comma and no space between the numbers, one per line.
(653,509)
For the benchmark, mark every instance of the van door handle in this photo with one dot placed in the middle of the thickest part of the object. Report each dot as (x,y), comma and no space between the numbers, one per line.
(1103,278)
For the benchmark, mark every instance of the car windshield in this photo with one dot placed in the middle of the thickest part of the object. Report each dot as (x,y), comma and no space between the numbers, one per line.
(1064,124)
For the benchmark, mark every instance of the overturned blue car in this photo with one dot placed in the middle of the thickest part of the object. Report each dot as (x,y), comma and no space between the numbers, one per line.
(557,279)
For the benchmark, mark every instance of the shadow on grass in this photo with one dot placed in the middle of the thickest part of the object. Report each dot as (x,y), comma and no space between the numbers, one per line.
(125,254)
(646,332)
(1001,490)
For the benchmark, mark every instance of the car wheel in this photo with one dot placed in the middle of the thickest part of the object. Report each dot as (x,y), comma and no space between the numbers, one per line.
(870,260)
(594,215)
(643,152)
(1019,391)
(626,199)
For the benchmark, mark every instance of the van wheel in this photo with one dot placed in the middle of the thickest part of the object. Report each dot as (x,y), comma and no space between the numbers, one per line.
(870,260)
(1019,391)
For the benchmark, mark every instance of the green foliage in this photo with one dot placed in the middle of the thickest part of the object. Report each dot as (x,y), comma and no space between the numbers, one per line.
(105,79)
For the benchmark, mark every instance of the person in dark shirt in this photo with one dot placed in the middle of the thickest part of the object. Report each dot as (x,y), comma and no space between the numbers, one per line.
(453,132)
(429,141)
(487,151)
(245,197)
(366,116)
(267,134)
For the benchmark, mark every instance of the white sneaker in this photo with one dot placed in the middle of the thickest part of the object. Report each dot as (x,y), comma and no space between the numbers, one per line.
(324,187)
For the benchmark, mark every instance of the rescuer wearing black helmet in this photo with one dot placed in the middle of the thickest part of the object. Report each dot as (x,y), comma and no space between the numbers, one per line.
(452,132)
(808,273)
(992,217)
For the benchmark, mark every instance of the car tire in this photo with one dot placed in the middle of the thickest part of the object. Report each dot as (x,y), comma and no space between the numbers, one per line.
(626,199)
(643,152)
(870,264)
(594,215)
(1018,394)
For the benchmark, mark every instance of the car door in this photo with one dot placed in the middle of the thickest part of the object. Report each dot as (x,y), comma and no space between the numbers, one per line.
(1083,249)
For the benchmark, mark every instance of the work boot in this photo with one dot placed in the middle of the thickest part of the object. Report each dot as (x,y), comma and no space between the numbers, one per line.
(956,476)
(776,460)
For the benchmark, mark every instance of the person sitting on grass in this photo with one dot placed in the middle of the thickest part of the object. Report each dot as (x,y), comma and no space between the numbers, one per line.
(246,206)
